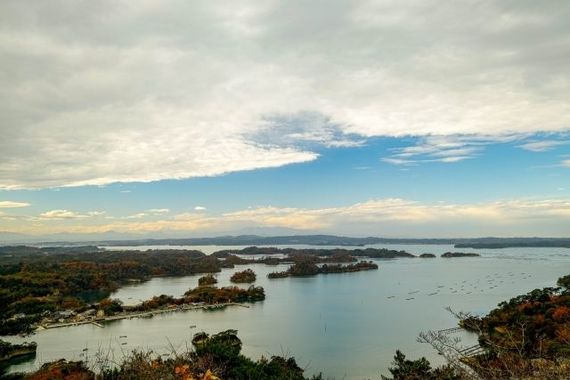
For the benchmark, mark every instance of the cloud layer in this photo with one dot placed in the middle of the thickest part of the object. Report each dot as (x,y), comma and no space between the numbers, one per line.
(378,217)
(99,92)
(12,204)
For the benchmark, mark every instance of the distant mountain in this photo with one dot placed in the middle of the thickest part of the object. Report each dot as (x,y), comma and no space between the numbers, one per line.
(495,243)
(12,237)
(317,240)
(256,240)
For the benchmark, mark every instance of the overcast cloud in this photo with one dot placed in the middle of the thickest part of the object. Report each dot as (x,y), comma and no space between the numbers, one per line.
(95,92)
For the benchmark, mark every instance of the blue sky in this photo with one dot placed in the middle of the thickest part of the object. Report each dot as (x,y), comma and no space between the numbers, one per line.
(340,177)
(384,118)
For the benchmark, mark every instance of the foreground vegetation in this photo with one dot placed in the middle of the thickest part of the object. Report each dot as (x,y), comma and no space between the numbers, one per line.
(9,351)
(527,337)
(213,358)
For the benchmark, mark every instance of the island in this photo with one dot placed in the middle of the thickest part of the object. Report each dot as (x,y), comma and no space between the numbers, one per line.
(307,268)
(427,256)
(246,276)
(498,243)
(108,310)
(459,254)
(207,280)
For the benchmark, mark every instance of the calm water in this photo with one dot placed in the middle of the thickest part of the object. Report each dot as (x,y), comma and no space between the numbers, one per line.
(341,324)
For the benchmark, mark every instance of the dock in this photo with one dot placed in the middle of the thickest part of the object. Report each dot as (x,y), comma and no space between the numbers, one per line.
(450,330)
(472,351)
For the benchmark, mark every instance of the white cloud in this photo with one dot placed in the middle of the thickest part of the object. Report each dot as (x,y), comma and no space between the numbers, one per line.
(66,214)
(398,161)
(542,146)
(96,213)
(139,215)
(132,100)
(446,149)
(200,208)
(158,211)
(566,163)
(11,204)
(454,159)
(60,214)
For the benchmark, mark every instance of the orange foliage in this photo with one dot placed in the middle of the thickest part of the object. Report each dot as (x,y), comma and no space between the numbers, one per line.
(563,334)
(561,313)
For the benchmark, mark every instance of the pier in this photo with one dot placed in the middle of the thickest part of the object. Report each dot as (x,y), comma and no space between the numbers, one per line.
(472,351)
(450,330)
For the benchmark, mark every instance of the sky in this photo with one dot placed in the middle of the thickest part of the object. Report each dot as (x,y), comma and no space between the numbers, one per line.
(200,118)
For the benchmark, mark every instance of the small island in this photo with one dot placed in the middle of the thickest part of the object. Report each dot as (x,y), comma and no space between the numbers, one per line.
(459,254)
(230,294)
(246,276)
(427,256)
(207,280)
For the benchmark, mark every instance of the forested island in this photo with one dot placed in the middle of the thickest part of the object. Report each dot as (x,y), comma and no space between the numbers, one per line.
(498,243)
(246,276)
(459,254)
(202,295)
(207,280)
(308,268)
(373,253)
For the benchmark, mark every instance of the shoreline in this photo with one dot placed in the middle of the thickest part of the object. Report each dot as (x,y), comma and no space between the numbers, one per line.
(145,314)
